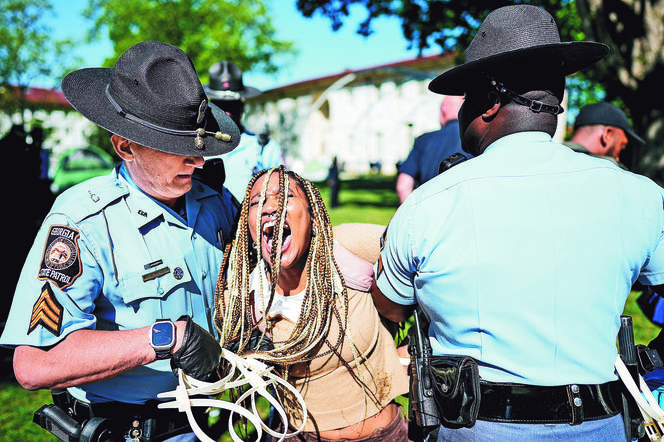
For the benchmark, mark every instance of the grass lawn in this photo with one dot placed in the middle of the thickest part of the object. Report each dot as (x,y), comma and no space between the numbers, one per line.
(368,200)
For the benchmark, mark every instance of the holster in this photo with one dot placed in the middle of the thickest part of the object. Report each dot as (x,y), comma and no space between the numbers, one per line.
(456,389)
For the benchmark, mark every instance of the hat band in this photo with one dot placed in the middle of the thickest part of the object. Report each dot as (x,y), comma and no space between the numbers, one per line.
(533,105)
(199,133)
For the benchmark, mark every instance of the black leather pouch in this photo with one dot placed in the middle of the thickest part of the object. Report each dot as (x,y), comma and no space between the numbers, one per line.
(456,389)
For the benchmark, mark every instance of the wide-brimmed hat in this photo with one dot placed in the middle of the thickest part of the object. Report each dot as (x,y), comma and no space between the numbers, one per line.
(514,38)
(154,98)
(226,83)
(606,114)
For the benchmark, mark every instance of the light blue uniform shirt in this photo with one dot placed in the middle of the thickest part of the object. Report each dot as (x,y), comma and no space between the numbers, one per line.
(523,258)
(109,257)
(246,159)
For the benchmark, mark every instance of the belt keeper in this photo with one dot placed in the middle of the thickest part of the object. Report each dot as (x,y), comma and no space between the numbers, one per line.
(575,403)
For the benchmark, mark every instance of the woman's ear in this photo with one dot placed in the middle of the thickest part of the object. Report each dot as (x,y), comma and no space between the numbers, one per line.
(122,147)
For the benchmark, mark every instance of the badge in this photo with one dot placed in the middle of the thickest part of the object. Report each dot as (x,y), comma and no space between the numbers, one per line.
(61,263)
(46,312)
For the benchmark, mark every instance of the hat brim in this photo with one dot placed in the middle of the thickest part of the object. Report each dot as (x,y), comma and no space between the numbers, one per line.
(634,138)
(85,91)
(573,55)
(247,92)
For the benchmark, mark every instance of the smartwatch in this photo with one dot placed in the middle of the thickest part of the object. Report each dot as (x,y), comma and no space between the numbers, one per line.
(162,338)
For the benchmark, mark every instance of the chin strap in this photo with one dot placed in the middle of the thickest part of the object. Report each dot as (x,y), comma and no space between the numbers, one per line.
(247,376)
(533,105)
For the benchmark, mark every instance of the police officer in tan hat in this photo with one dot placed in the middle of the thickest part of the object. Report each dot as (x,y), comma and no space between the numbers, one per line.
(522,258)
(118,288)
(256,151)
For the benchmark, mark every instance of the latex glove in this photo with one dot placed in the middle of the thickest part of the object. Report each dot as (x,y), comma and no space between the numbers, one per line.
(200,352)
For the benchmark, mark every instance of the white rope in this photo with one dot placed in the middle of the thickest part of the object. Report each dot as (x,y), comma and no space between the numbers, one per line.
(653,415)
(244,371)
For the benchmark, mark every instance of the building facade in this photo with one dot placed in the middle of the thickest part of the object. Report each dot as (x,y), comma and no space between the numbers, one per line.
(366,118)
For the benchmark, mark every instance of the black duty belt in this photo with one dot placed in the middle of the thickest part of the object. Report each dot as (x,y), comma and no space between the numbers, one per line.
(147,421)
(530,404)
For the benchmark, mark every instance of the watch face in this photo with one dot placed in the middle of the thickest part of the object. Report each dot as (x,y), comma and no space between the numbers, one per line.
(162,334)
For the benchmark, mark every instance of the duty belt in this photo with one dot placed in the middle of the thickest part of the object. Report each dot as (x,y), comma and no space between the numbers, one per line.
(531,404)
(140,422)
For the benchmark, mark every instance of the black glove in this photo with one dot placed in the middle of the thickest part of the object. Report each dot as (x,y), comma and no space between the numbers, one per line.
(200,352)
(255,343)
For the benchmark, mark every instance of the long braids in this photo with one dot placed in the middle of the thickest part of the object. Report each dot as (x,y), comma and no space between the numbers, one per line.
(325,299)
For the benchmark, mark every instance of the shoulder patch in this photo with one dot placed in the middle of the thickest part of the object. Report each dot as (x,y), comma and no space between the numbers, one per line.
(61,262)
(47,312)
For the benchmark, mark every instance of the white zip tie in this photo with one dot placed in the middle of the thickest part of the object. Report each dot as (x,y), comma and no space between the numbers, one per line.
(252,372)
(653,415)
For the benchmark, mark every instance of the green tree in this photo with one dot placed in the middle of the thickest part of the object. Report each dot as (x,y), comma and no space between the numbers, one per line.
(27,51)
(631,75)
(207,30)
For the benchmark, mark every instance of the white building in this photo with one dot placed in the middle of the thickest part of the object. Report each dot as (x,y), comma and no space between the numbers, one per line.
(367,116)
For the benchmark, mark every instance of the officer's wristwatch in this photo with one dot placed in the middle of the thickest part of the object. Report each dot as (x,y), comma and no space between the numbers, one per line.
(162,338)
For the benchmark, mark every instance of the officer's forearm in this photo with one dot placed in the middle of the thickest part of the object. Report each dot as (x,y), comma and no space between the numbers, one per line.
(83,357)
(390,309)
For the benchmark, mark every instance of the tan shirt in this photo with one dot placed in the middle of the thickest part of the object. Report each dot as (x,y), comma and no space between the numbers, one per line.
(334,397)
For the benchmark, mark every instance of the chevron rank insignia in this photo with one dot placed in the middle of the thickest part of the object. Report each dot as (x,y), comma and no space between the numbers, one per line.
(379,270)
(61,263)
(46,312)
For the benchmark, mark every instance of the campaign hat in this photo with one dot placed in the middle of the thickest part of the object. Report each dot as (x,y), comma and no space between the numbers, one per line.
(153,97)
(226,83)
(606,114)
(515,39)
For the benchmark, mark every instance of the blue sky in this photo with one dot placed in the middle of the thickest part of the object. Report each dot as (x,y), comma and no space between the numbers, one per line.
(321,51)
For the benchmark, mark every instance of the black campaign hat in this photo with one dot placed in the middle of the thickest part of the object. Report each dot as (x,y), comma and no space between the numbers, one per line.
(154,98)
(226,83)
(509,38)
(605,114)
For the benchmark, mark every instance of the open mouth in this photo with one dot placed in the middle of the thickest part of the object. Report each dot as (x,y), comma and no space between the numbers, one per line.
(269,235)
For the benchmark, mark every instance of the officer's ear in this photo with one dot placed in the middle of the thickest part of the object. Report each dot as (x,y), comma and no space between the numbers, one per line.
(122,147)
(492,106)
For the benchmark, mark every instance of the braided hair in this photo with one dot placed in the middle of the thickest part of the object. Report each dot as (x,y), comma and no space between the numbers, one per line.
(325,298)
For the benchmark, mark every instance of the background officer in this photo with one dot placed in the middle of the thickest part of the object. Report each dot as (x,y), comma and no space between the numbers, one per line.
(120,256)
(255,152)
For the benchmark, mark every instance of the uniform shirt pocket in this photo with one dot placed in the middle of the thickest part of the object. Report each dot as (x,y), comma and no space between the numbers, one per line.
(155,282)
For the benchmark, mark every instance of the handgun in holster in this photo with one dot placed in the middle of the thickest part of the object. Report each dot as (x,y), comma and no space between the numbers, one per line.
(57,420)
(422,403)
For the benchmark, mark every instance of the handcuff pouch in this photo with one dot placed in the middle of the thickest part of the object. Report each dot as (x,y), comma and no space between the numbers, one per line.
(456,389)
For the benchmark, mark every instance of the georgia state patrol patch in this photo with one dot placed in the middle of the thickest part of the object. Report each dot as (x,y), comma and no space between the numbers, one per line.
(61,263)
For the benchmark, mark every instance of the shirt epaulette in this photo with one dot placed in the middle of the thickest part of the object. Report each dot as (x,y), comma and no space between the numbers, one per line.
(201,190)
(90,197)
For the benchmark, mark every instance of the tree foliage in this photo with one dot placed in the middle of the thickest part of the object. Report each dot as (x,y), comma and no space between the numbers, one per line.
(27,50)
(630,76)
(207,30)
